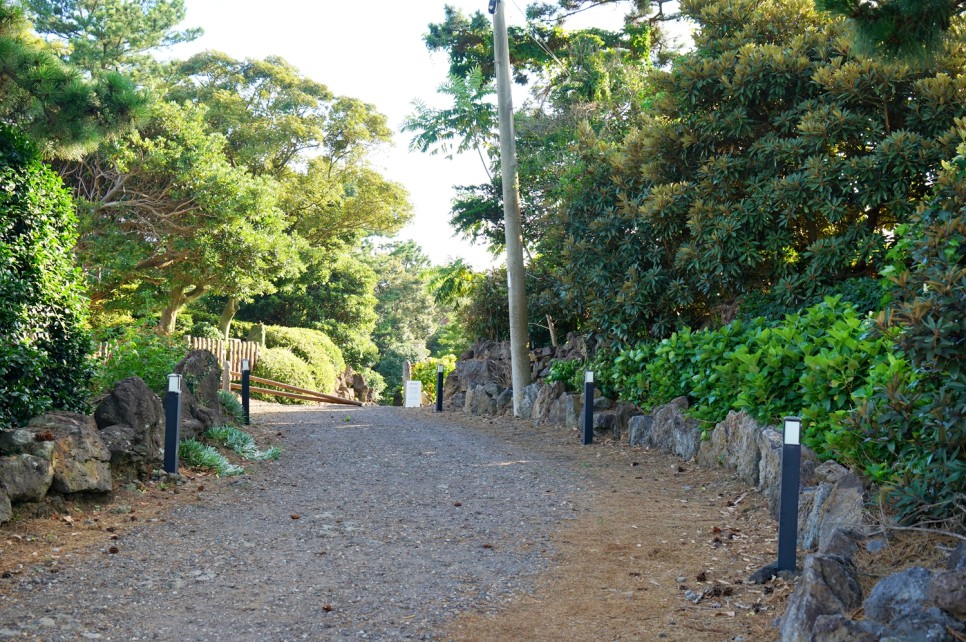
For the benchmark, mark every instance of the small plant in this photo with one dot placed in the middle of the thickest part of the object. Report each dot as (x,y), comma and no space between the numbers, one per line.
(569,372)
(197,455)
(241,443)
(232,406)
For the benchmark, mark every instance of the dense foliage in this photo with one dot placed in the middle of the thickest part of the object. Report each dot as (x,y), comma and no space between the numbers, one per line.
(281,364)
(138,350)
(425,372)
(44,345)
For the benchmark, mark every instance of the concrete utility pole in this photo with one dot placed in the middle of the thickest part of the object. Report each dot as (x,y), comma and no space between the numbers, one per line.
(516,276)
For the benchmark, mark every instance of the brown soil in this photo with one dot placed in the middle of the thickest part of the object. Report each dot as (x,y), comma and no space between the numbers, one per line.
(649,521)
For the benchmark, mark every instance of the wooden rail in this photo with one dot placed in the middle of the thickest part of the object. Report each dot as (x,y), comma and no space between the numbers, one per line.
(303,393)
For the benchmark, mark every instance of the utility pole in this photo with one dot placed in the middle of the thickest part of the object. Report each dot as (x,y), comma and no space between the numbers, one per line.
(516,276)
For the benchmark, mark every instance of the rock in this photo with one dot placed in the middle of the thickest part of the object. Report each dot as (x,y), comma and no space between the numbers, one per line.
(132,423)
(478,402)
(829,507)
(624,411)
(81,460)
(928,625)
(957,559)
(828,586)
(530,394)
(572,406)
(201,379)
(830,472)
(770,445)
(733,443)
(948,591)
(876,545)
(671,431)
(456,402)
(604,423)
(841,542)
(15,442)
(545,400)
(25,478)
(639,428)
(899,595)
(839,628)
(6,511)
(603,403)
(504,402)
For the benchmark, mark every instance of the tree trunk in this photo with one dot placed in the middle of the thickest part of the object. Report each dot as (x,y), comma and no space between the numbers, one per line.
(553,331)
(227,314)
(179,297)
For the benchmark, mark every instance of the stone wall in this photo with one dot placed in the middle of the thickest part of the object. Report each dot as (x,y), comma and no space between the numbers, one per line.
(66,453)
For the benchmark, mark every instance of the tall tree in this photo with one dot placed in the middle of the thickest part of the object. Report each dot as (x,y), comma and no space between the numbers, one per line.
(166,218)
(64,112)
(909,29)
(100,35)
(777,160)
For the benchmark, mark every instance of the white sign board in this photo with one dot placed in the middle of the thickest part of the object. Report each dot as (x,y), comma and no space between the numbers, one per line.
(414,394)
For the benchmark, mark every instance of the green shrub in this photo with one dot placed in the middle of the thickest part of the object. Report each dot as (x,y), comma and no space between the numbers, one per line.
(280,364)
(205,330)
(817,364)
(916,413)
(195,454)
(865,294)
(241,443)
(425,372)
(232,405)
(140,351)
(44,348)
(375,381)
(323,357)
(569,372)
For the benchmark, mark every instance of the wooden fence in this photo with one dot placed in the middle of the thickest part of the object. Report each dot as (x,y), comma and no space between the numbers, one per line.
(232,350)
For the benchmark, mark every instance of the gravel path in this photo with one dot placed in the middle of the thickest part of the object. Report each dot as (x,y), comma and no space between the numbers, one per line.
(404,519)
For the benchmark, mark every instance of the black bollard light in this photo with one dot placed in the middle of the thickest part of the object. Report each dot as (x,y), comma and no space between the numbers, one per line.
(439,388)
(588,433)
(791,482)
(246,393)
(172,423)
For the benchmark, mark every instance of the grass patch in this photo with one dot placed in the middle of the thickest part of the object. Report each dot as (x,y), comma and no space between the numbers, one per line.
(232,405)
(241,443)
(195,454)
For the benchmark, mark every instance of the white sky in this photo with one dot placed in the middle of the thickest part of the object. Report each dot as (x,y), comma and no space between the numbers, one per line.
(371,50)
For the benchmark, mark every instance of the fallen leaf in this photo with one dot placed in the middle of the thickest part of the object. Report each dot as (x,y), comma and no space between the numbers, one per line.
(296,516)
(457,504)
(112,550)
(325,607)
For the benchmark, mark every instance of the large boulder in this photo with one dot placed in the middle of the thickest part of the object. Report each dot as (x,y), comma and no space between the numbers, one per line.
(828,586)
(899,596)
(16,442)
(25,478)
(545,400)
(81,460)
(624,411)
(529,400)
(132,423)
(639,428)
(733,444)
(835,504)
(948,592)
(200,381)
(672,432)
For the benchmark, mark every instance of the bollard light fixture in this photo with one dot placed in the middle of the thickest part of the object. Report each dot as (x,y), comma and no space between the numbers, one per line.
(245,365)
(174,383)
(793,431)
(588,376)
(439,368)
